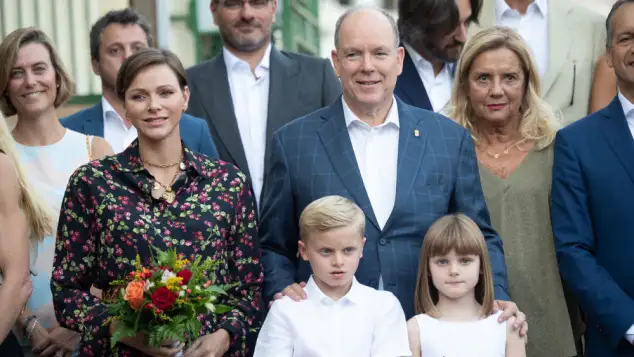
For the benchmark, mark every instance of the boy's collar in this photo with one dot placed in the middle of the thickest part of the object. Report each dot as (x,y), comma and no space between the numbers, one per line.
(314,293)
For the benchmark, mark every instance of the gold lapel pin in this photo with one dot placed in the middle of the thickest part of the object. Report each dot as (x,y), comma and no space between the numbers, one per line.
(416,132)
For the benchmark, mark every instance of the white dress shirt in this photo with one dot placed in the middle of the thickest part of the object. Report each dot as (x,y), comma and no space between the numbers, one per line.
(114,130)
(250,96)
(376,151)
(628,110)
(438,87)
(532,26)
(363,323)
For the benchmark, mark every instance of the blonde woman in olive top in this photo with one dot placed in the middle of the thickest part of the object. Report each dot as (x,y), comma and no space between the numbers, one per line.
(496,97)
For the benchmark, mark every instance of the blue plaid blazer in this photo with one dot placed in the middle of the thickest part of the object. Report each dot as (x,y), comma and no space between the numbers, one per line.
(437,173)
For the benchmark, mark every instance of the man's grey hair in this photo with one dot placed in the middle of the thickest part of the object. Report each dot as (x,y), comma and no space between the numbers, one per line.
(609,27)
(342,18)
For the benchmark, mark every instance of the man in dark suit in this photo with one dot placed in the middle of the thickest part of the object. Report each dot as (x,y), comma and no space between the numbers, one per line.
(404,166)
(593,199)
(251,88)
(433,33)
(113,38)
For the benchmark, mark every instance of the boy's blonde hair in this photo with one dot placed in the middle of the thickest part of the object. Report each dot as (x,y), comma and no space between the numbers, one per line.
(459,233)
(328,213)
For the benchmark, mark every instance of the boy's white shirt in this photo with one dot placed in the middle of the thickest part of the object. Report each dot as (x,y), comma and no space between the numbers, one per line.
(364,323)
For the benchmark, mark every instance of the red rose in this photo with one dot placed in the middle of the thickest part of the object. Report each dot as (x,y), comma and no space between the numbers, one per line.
(163,298)
(186,274)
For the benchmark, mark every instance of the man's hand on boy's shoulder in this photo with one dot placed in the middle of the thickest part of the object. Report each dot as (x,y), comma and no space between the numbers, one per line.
(294,291)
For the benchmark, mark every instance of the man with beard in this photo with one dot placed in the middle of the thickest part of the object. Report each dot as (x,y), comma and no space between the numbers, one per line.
(432,33)
(113,38)
(251,88)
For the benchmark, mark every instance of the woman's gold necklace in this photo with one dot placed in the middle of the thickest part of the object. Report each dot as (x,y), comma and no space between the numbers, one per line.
(505,151)
(168,195)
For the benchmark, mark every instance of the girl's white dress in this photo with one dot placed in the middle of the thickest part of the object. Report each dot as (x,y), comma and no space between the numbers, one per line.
(482,338)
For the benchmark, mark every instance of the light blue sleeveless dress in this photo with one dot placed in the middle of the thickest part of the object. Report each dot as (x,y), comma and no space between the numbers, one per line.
(48,169)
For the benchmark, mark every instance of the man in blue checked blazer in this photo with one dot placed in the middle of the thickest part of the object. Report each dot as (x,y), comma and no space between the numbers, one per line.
(404,166)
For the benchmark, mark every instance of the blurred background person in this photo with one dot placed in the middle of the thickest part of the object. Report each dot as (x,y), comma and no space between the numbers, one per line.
(35,84)
(251,88)
(565,40)
(113,38)
(496,97)
(432,33)
(24,221)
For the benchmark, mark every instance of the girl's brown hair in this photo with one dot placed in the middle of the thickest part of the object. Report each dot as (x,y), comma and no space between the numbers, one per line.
(459,233)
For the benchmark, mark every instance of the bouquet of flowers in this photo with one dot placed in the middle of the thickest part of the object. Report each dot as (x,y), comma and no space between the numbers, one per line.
(164,299)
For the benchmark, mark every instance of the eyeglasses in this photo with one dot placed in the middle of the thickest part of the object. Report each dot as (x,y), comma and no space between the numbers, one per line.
(237,4)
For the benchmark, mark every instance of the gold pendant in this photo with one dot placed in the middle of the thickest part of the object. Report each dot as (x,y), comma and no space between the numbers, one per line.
(496,156)
(169,196)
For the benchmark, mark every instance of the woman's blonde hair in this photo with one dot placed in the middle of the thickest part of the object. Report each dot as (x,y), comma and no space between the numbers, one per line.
(459,233)
(9,49)
(538,121)
(36,211)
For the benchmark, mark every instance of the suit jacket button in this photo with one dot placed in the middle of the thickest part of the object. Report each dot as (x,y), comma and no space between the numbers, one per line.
(382,241)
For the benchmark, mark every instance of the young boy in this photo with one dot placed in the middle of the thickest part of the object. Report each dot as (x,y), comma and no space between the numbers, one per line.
(340,317)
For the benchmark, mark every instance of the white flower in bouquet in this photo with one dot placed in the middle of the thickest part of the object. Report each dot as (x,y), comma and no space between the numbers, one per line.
(148,285)
(166,275)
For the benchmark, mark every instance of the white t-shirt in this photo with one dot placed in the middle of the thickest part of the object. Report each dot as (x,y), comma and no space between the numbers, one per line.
(364,323)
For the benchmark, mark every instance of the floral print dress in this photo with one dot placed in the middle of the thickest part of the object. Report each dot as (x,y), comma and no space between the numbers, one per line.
(108,216)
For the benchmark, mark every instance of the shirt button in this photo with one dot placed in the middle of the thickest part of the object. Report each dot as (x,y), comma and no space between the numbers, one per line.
(382,241)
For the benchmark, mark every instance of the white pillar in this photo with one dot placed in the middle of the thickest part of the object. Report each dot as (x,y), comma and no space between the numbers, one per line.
(376,3)
(163,23)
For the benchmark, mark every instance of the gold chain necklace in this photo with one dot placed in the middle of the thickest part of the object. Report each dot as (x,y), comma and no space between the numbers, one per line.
(168,195)
(165,166)
(505,151)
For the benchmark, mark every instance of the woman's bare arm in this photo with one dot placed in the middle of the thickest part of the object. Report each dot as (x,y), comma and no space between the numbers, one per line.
(603,85)
(413,334)
(14,249)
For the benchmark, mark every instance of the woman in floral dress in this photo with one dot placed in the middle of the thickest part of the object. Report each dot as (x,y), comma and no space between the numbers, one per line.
(157,192)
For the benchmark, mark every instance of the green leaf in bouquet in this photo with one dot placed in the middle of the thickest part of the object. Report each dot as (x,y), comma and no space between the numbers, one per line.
(219,290)
(221,309)
(122,331)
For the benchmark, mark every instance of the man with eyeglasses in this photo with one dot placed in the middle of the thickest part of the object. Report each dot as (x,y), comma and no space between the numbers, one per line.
(251,88)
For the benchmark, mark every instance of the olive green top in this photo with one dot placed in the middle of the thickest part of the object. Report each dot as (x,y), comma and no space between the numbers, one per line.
(519,206)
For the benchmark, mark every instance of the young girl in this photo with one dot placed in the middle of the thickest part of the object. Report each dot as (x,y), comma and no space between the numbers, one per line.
(454,297)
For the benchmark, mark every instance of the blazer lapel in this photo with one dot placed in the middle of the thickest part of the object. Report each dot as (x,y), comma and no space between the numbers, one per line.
(412,86)
(219,107)
(283,76)
(336,140)
(558,42)
(411,148)
(618,135)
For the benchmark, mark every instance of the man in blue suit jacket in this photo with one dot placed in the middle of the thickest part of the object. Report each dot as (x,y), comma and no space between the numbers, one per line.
(433,34)
(113,38)
(427,169)
(593,203)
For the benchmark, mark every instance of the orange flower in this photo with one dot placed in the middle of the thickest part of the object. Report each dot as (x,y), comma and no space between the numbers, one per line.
(134,294)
